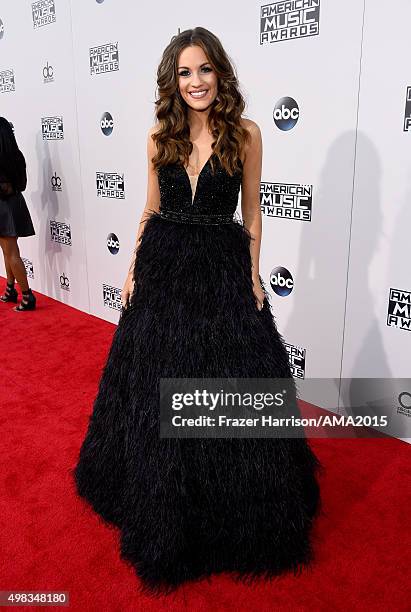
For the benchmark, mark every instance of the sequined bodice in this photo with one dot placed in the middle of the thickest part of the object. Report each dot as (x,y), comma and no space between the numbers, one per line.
(214,193)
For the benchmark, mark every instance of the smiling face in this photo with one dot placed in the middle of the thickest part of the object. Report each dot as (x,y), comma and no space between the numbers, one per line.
(197,79)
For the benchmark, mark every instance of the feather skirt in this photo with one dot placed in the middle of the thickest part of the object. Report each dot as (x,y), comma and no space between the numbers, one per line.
(189,508)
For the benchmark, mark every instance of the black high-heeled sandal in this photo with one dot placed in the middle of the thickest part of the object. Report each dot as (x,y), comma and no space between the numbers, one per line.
(10,294)
(28,302)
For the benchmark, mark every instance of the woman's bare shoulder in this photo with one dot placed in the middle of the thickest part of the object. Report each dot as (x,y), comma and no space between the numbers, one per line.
(249,125)
(151,144)
(255,134)
(154,128)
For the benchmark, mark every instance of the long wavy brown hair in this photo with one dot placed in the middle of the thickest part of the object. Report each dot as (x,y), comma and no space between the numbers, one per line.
(172,134)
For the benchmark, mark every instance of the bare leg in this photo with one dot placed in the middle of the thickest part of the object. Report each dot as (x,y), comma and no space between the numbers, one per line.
(10,276)
(9,273)
(14,265)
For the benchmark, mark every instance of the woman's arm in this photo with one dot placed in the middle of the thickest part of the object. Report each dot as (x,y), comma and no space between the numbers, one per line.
(21,175)
(13,177)
(250,201)
(152,203)
(6,188)
(153,193)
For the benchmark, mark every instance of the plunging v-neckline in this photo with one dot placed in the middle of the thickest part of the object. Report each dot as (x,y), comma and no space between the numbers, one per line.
(193,195)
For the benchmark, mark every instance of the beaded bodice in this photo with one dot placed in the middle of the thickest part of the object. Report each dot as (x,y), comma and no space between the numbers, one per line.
(214,194)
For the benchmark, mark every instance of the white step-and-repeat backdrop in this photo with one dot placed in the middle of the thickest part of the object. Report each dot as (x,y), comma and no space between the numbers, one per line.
(329,84)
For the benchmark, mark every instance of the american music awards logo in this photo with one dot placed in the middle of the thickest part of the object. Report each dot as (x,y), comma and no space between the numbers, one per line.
(407,113)
(104,58)
(399,309)
(110,185)
(296,357)
(112,297)
(286,200)
(29,267)
(52,128)
(289,20)
(60,232)
(43,13)
(7,82)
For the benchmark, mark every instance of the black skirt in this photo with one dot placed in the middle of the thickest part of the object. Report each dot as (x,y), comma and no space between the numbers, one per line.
(15,219)
(188,508)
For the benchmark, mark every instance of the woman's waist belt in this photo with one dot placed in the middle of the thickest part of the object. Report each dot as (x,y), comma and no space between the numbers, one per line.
(187,217)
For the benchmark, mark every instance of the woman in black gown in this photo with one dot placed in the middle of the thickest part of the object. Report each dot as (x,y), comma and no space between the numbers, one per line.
(196,306)
(15,219)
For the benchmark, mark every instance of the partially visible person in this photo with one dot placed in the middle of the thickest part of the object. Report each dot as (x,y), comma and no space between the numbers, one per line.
(15,220)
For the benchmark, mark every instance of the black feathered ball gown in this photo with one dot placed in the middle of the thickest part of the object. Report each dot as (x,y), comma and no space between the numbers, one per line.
(188,508)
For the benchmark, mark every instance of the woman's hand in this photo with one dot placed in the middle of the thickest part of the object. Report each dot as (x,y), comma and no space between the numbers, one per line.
(127,290)
(6,188)
(258,292)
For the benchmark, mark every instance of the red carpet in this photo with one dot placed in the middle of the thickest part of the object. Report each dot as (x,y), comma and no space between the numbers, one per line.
(50,367)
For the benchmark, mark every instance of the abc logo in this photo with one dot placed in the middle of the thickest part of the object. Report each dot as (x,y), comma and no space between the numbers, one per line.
(48,71)
(55,181)
(64,281)
(281,281)
(113,244)
(286,114)
(404,400)
(106,124)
